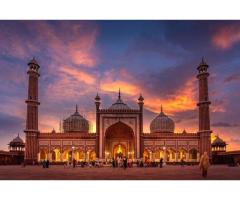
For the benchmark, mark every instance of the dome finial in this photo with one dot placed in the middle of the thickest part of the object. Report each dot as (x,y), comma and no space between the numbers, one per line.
(203,61)
(140,98)
(76,108)
(119,94)
(97,98)
(161,109)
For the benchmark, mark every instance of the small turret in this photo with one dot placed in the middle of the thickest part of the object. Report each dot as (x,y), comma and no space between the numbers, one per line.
(33,65)
(203,66)
(140,102)
(97,102)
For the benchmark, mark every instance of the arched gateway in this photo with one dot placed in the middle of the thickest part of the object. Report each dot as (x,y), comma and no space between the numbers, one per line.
(119,141)
(119,129)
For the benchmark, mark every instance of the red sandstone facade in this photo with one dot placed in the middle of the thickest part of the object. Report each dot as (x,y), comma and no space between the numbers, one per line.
(203,104)
(119,131)
(32,132)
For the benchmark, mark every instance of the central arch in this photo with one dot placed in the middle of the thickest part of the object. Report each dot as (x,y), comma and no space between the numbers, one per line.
(119,141)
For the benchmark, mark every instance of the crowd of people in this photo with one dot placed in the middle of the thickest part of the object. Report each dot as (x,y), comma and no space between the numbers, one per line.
(124,162)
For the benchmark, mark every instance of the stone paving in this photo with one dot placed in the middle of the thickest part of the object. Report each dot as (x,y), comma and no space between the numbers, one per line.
(58,172)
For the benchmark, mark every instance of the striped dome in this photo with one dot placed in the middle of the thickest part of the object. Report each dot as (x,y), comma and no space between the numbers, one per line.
(119,104)
(218,142)
(162,124)
(76,123)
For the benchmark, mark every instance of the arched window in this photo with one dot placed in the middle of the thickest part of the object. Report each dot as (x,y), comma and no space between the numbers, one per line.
(43,155)
(53,155)
(193,154)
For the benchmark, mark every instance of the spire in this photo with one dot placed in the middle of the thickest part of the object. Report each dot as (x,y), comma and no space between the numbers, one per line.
(119,94)
(161,109)
(140,97)
(33,61)
(203,61)
(18,134)
(76,108)
(97,98)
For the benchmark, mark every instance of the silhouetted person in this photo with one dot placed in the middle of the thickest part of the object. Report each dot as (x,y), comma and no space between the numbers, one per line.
(74,163)
(137,163)
(182,162)
(204,164)
(141,163)
(47,163)
(124,162)
(161,163)
(44,164)
(113,163)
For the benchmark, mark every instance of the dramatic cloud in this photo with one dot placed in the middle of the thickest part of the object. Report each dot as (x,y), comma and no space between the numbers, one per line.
(232,78)
(227,36)
(78,74)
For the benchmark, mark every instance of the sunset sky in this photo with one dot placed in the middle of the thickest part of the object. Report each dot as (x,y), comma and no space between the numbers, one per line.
(156,58)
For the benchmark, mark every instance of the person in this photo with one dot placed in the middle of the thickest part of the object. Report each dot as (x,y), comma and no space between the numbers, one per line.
(125,162)
(141,163)
(47,164)
(137,163)
(130,162)
(74,163)
(161,162)
(44,164)
(182,162)
(113,163)
(204,164)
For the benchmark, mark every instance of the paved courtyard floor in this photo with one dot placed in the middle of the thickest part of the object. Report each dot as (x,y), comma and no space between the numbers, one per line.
(57,172)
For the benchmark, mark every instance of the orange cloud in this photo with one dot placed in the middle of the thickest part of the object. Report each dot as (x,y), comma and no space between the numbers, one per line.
(76,46)
(181,101)
(81,50)
(78,74)
(82,58)
(125,87)
(48,123)
(227,36)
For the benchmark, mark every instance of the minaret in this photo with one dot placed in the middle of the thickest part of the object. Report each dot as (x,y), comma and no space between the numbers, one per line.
(97,103)
(141,103)
(31,149)
(203,104)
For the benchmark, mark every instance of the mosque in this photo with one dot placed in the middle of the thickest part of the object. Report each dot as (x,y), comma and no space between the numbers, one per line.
(119,130)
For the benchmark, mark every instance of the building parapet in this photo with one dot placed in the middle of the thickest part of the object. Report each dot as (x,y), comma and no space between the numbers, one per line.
(119,111)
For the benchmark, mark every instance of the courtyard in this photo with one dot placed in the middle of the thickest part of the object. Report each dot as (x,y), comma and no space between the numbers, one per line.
(58,172)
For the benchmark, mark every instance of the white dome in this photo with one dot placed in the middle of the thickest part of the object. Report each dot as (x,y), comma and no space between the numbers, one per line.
(17,140)
(162,124)
(119,105)
(76,123)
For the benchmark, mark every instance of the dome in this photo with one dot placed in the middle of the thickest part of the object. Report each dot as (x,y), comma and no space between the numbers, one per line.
(162,124)
(76,123)
(218,142)
(16,141)
(119,104)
